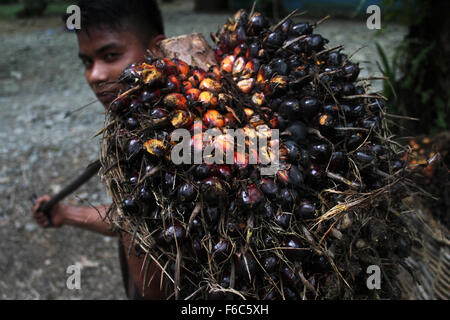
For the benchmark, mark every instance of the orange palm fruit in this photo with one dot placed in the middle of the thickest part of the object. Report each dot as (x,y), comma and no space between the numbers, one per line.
(175,101)
(207,98)
(214,118)
(181,118)
(193,94)
(238,65)
(258,98)
(246,85)
(227,63)
(210,85)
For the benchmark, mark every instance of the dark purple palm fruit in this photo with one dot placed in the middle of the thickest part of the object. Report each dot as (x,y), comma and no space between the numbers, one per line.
(297,132)
(203,171)
(338,162)
(187,192)
(246,265)
(267,211)
(270,262)
(283,219)
(291,151)
(290,109)
(309,107)
(174,232)
(289,276)
(147,198)
(299,29)
(250,197)
(287,198)
(315,42)
(273,41)
(213,190)
(293,248)
(351,72)
(221,250)
(354,141)
(212,215)
(198,250)
(320,153)
(269,187)
(133,147)
(289,293)
(325,123)
(315,176)
(130,206)
(169,185)
(306,210)
(279,66)
(257,23)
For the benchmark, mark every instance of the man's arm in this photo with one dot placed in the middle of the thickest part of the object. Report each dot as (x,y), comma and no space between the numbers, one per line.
(88,218)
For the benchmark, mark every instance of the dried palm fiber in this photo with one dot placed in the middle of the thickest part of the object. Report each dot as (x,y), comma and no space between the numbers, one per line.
(226,231)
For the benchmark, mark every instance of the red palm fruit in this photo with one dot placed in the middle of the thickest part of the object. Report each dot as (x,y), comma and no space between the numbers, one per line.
(218,53)
(250,68)
(207,98)
(214,73)
(258,98)
(229,119)
(227,63)
(224,171)
(261,78)
(278,83)
(250,196)
(249,113)
(169,66)
(209,84)
(238,65)
(175,101)
(181,118)
(213,118)
(199,74)
(246,85)
(155,147)
(173,83)
(274,123)
(187,85)
(240,50)
(152,76)
(192,94)
(182,68)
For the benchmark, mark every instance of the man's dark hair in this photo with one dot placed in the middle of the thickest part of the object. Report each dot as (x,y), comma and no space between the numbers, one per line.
(144,15)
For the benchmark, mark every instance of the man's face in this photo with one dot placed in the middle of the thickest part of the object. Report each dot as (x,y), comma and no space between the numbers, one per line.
(105,54)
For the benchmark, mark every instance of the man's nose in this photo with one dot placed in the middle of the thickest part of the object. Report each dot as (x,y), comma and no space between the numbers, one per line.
(99,74)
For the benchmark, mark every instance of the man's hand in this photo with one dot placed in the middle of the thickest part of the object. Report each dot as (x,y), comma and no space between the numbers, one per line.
(56,213)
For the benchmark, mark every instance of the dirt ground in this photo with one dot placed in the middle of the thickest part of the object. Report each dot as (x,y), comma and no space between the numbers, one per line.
(41,80)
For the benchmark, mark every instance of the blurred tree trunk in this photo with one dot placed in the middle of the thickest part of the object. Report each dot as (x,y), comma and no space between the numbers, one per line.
(424,90)
(32,8)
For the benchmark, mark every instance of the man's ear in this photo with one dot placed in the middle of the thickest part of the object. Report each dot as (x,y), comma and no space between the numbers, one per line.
(153,47)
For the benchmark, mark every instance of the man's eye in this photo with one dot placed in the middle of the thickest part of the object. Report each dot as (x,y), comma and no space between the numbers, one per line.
(111,57)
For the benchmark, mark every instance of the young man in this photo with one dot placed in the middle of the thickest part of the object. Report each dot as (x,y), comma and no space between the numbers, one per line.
(113,34)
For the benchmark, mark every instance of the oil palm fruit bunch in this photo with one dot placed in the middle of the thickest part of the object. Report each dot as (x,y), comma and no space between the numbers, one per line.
(226,231)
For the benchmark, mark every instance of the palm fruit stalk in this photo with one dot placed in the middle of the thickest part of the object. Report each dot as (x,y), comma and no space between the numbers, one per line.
(225,231)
